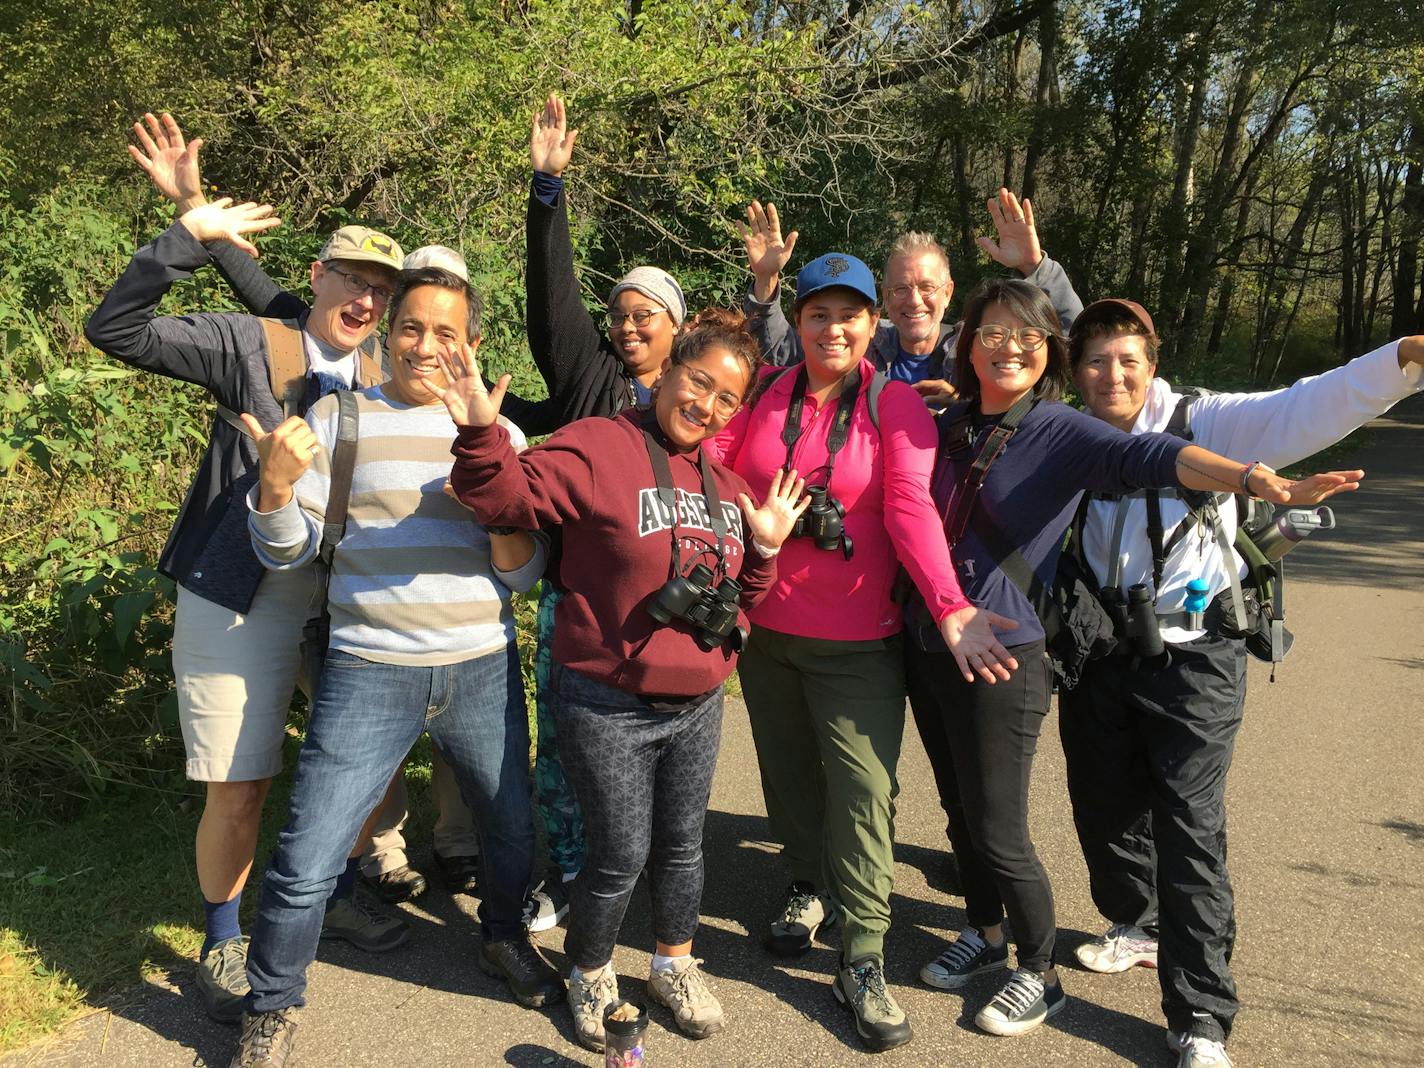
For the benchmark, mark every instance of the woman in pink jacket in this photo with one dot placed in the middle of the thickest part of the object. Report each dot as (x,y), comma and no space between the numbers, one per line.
(822,672)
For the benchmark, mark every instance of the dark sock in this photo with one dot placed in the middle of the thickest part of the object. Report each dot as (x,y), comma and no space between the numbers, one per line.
(220,922)
(346,881)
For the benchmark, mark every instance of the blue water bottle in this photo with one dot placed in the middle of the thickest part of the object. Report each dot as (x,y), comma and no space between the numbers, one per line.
(1195,604)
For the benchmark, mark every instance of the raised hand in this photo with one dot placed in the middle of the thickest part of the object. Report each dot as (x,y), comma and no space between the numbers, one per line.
(1270,486)
(771,524)
(283,455)
(551,143)
(767,252)
(169,160)
(968,633)
(222,220)
(466,398)
(1018,245)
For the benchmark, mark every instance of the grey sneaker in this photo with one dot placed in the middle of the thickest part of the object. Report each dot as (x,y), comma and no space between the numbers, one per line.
(1123,947)
(545,906)
(965,957)
(683,989)
(805,912)
(1198,1051)
(267,1039)
(1024,1002)
(354,919)
(589,997)
(222,979)
(879,1021)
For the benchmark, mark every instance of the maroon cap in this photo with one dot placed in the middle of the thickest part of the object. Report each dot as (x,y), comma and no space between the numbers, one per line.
(1099,309)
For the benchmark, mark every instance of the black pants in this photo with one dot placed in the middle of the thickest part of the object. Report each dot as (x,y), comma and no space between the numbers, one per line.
(1148,748)
(981,741)
(643,777)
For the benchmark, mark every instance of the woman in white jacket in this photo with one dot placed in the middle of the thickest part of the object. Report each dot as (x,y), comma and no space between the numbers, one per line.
(1149,743)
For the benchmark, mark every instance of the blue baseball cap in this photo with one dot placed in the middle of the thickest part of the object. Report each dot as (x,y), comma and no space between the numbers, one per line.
(836,269)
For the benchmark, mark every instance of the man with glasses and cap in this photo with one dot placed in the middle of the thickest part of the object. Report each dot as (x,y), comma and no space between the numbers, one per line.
(238,628)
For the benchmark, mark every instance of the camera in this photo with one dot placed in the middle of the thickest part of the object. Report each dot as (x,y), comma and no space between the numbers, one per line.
(823,522)
(712,610)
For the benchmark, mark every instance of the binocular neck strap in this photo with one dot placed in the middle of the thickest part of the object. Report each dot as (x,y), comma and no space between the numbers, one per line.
(667,495)
(840,429)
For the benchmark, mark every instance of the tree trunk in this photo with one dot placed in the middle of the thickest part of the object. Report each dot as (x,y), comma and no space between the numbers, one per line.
(1047,75)
(1407,318)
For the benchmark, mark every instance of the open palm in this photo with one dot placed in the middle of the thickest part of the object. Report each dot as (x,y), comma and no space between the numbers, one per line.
(551,142)
(772,523)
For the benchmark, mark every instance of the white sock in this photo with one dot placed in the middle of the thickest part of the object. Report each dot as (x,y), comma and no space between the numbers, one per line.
(667,964)
(592,973)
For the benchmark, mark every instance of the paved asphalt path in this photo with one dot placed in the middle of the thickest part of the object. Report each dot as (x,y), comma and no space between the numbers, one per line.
(1327,848)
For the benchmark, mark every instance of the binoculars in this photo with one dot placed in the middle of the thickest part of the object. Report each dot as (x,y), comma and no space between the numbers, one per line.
(1135,619)
(712,610)
(823,522)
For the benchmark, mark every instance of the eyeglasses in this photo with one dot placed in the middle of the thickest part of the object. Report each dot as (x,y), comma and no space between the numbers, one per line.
(1029,338)
(640,317)
(699,385)
(357,286)
(926,290)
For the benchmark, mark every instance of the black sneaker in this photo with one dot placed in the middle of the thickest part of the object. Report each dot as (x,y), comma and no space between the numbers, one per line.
(805,913)
(397,885)
(1024,1002)
(530,978)
(966,956)
(879,1021)
(267,1039)
(222,980)
(461,875)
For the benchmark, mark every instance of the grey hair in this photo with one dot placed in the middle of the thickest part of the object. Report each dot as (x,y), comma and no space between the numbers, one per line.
(916,243)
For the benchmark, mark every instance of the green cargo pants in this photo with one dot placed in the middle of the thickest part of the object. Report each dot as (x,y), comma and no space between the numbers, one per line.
(827,718)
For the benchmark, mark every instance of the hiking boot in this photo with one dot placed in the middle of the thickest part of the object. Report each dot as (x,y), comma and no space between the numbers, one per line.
(461,875)
(1123,947)
(860,987)
(683,989)
(397,885)
(589,997)
(964,958)
(530,978)
(267,1039)
(222,979)
(805,913)
(1024,1002)
(361,923)
(1198,1051)
(545,906)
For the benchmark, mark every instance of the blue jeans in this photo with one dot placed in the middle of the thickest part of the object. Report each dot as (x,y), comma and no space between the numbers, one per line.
(366,718)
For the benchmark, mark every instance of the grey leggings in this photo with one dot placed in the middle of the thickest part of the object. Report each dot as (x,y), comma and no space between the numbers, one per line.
(643,777)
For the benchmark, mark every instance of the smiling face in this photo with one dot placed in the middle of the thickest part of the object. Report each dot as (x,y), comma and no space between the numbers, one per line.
(1005,374)
(641,348)
(1113,376)
(917,293)
(695,399)
(835,327)
(339,318)
(430,319)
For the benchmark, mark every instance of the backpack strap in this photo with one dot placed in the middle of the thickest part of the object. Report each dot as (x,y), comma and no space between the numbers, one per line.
(343,466)
(872,398)
(286,364)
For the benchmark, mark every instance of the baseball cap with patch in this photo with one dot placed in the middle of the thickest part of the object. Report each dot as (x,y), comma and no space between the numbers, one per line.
(364,245)
(835,269)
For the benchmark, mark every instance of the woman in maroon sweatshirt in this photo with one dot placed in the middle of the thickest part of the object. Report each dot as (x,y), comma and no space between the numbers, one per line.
(645,513)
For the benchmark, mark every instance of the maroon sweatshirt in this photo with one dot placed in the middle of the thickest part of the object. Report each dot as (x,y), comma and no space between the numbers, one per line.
(594,479)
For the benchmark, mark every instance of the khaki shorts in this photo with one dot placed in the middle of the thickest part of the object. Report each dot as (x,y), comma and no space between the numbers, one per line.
(235,675)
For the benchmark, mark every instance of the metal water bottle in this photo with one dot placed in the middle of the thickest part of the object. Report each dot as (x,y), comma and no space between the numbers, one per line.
(1289,528)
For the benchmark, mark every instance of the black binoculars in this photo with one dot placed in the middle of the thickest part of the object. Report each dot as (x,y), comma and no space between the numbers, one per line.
(1135,619)
(712,610)
(823,522)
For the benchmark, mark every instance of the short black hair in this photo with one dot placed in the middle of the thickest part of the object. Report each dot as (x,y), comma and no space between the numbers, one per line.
(439,276)
(1030,306)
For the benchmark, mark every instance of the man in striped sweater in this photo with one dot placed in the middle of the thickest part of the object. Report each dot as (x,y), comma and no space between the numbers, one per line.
(422,637)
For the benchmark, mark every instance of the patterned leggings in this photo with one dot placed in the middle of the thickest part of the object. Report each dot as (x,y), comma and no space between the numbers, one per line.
(643,776)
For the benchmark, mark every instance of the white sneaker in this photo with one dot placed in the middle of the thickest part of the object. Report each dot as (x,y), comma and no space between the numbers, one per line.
(545,907)
(1198,1051)
(1123,947)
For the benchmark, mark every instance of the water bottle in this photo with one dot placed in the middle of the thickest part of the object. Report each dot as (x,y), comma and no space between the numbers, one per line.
(1196,602)
(1289,528)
